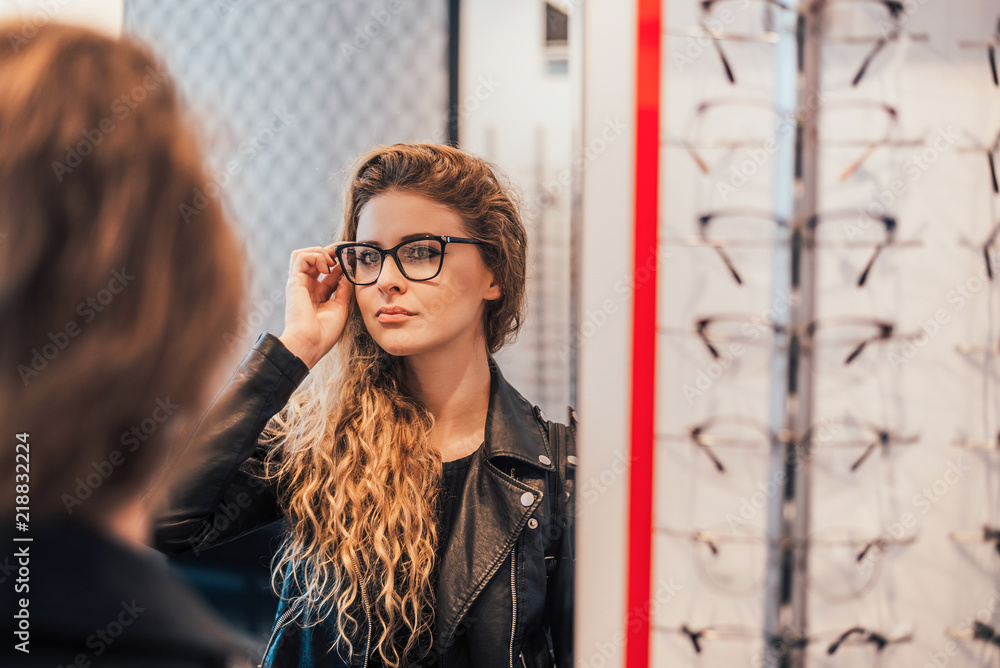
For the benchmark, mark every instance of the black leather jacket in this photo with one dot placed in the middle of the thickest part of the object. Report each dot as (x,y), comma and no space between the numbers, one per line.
(506,578)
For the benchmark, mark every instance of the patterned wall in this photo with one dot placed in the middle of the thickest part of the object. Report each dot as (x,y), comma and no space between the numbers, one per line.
(289,92)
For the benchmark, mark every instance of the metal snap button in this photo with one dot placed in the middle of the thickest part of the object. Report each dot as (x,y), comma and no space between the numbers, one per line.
(532,523)
(545,460)
(527,499)
(571,459)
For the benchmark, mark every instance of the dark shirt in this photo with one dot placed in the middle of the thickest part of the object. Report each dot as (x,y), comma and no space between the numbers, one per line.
(95,600)
(453,478)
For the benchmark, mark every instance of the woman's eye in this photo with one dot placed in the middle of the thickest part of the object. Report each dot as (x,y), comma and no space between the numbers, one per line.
(369,257)
(420,252)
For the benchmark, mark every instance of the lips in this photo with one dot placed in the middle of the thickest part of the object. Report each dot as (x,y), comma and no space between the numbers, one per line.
(393,310)
(393,314)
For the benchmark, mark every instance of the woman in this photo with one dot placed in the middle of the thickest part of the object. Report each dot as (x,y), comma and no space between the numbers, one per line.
(114,312)
(428,503)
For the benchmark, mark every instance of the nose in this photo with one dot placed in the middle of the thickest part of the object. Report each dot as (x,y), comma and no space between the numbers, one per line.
(391,277)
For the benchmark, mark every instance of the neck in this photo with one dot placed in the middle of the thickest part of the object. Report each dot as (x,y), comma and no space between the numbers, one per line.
(455,387)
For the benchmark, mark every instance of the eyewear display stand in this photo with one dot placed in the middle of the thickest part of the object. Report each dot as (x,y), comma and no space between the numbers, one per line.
(796,182)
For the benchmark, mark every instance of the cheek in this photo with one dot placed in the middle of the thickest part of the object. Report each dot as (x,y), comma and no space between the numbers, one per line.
(453,300)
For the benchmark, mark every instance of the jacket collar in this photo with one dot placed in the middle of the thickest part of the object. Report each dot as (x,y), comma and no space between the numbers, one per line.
(494,506)
(512,426)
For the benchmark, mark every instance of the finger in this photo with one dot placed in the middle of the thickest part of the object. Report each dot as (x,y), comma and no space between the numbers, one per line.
(344,291)
(311,250)
(325,286)
(312,264)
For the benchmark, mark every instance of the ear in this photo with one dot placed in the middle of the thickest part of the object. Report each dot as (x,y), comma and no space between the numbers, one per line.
(492,292)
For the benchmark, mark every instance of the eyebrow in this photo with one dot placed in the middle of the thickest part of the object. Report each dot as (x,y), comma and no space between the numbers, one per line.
(403,239)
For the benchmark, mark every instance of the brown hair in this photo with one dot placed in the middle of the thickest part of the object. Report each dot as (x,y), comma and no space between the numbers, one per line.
(358,475)
(114,303)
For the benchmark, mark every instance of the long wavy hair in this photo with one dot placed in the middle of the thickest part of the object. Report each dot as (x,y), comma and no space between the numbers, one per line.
(358,477)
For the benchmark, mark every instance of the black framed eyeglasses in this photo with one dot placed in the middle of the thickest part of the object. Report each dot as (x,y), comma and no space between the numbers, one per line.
(744,227)
(418,259)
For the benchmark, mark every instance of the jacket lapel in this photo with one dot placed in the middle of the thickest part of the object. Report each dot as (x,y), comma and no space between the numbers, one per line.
(494,506)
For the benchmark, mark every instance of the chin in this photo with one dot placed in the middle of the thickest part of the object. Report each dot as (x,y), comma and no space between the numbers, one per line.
(399,344)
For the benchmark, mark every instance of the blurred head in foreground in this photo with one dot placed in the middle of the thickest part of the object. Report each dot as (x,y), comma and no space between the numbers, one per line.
(114,303)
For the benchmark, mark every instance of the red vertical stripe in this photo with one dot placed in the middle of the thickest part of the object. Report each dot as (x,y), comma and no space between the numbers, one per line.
(647,150)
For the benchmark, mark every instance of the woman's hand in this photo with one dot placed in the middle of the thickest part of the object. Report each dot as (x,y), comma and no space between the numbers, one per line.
(313,321)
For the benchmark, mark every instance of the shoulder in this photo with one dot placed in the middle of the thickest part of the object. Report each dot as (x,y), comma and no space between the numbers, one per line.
(560,436)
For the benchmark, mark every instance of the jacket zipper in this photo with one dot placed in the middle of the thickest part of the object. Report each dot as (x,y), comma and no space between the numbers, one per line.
(364,601)
(513,594)
(513,591)
(277,627)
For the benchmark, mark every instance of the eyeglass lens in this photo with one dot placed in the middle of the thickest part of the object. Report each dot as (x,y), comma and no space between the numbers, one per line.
(418,260)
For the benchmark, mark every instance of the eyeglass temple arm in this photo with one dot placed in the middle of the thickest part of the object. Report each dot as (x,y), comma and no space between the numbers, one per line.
(884,439)
(856,165)
(702,325)
(871,56)
(729,264)
(693,636)
(986,250)
(868,267)
(696,437)
(992,50)
(993,170)
(725,61)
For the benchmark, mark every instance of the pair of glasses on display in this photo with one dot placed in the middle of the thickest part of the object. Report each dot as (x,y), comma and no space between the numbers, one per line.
(418,259)
(835,344)
(844,562)
(754,123)
(741,433)
(746,228)
(875,22)
(778,645)
(991,51)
